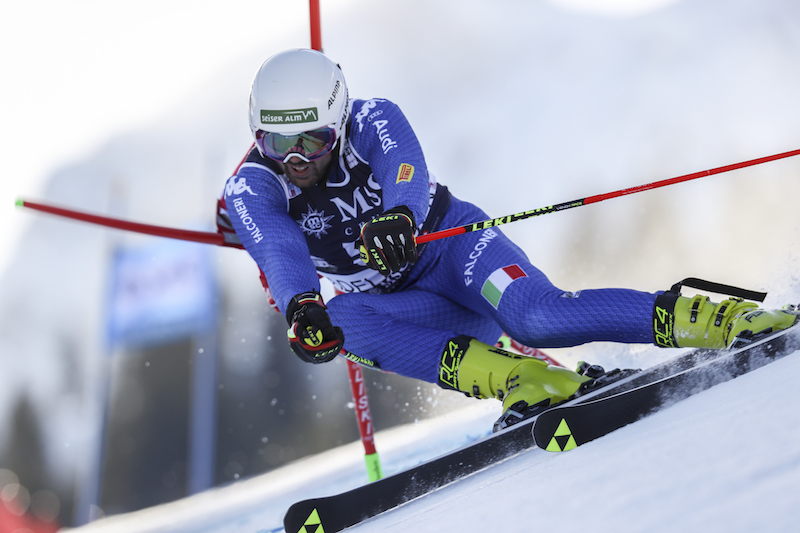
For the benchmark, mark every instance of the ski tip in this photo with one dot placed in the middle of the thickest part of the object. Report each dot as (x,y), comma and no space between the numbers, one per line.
(20,202)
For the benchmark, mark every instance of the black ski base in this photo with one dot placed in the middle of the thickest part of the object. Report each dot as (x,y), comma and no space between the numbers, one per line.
(592,415)
(349,508)
(566,427)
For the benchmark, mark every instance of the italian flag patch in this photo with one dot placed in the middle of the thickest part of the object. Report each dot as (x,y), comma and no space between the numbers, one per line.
(501,278)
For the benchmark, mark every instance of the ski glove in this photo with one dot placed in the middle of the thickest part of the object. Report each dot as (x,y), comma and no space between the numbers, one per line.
(387,241)
(311,335)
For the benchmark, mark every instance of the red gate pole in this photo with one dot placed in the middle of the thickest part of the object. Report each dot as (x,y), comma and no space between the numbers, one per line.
(364,419)
(354,371)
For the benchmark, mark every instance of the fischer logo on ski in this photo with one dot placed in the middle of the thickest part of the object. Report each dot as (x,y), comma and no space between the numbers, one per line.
(313,524)
(568,426)
(562,439)
(558,429)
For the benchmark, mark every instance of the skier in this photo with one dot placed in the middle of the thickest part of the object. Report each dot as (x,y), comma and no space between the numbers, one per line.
(340,188)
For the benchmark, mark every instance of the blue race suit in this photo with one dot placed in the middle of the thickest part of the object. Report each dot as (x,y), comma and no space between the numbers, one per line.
(478,284)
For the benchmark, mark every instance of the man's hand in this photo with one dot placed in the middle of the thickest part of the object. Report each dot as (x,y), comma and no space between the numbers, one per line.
(387,241)
(311,335)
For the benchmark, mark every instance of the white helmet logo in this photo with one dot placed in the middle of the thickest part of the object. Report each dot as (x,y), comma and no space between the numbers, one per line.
(290,116)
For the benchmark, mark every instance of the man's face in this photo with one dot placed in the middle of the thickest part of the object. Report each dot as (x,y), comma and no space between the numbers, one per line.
(306,175)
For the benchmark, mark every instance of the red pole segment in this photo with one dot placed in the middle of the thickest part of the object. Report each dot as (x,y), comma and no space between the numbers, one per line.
(507,342)
(354,371)
(205,237)
(364,419)
(477,226)
(688,177)
(219,239)
(316,26)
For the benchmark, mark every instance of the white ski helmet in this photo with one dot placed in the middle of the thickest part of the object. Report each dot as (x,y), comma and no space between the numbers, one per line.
(298,105)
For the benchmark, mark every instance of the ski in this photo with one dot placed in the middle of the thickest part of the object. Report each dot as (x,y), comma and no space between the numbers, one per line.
(659,385)
(566,427)
(335,513)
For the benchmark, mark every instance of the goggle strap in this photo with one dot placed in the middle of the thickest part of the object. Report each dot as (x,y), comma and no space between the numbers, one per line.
(295,154)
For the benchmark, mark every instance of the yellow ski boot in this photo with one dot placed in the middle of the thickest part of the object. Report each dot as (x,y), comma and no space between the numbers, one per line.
(525,385)
(681,322)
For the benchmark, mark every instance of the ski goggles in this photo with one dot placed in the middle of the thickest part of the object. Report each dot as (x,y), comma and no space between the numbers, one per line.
(308,145)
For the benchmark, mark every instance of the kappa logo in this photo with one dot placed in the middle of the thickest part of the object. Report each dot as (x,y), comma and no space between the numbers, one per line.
(365,111)
(237,186)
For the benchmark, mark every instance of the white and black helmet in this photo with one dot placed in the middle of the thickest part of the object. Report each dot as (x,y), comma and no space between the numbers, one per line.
(299,105)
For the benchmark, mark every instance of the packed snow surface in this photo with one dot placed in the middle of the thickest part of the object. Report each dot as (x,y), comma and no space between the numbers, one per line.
(723,460)
(518,105)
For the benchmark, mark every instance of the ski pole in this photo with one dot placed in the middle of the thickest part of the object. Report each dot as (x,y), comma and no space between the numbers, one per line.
(219,239)
(204,237)
(354,371)
(477,226)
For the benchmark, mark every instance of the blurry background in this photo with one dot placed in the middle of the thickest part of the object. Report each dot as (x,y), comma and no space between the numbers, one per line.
(140,111)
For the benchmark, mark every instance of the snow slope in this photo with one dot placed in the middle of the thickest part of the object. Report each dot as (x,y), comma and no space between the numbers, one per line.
(518,105)
(723,460)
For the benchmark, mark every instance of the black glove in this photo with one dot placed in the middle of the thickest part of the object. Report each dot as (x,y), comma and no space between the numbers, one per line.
(311,335)
(387,241)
